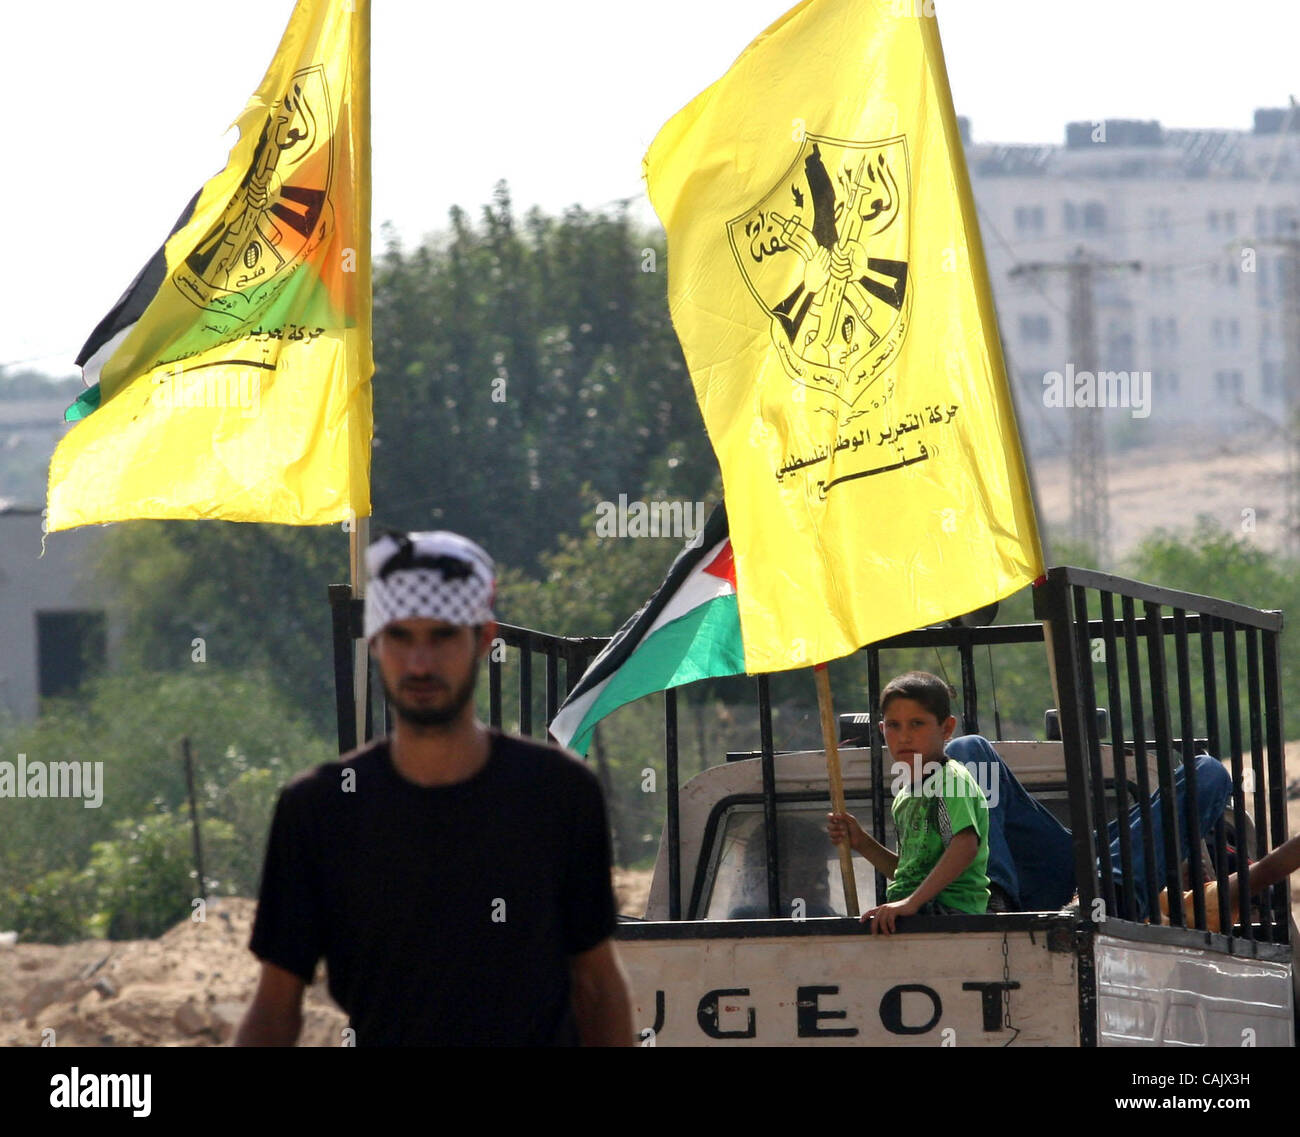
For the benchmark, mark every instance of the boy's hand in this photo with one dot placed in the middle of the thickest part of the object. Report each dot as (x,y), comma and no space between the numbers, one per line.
(843,827)
(883,918)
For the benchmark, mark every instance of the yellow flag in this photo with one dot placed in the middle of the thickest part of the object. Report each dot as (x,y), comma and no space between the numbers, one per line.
(828,285)
(232,379)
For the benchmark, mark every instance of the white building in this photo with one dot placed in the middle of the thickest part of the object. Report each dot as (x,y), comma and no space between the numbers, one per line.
(1202,211)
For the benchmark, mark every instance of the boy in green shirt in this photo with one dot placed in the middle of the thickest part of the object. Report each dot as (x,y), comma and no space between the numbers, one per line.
(940,813)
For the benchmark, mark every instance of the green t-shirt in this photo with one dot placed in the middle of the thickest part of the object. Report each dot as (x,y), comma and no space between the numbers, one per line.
(949,801)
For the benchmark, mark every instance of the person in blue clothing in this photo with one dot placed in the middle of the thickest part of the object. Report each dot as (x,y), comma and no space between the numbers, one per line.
(1031,854)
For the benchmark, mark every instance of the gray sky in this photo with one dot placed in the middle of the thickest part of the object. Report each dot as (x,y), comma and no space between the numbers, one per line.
(115,112)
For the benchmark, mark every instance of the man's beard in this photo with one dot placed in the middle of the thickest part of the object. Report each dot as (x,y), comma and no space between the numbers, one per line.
(434,716)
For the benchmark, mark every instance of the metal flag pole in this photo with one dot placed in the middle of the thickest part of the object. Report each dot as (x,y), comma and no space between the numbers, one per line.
(358,539)
(830,740)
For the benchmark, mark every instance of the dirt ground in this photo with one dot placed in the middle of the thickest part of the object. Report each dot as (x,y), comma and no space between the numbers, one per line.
(189,987)
(1238,481)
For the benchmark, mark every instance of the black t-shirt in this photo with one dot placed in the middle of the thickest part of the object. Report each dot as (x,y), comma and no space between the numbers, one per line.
(446,915)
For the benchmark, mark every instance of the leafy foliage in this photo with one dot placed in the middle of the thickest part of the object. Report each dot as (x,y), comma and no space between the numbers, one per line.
(66,869)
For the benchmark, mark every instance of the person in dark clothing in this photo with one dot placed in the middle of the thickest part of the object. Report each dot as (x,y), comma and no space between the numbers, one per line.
(455,879)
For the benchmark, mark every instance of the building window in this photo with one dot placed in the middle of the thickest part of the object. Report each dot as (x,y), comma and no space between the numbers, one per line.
(1071,217)
(1035,329)
(1227,383)
(1213,221)
(70,648)
(1163,331)
(1029,219)
(1094,217)
(1268,381)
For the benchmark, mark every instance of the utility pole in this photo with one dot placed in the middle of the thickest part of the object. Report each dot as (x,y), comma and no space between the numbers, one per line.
(1089,477)
(1289,302)
(1291,384)
(1288,422)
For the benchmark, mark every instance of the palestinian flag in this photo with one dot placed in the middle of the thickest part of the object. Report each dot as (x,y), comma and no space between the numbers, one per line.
(232,379)
(688,630)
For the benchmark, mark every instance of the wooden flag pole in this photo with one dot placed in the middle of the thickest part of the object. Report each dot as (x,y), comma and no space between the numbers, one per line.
(359,531)
(830,739)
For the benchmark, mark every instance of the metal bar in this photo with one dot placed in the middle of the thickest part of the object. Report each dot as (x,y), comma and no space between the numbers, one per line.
(1115,710)
(877,762)
(1231,680)
(1153,596)
(345,708)
(1219,850)
(1159,683)
(1222,875)
(674,818)
(1133,665)
(1051,603)
(494,689)
(969,695)
(1254,701)
(1209,678)
(526,685)
(1281,891)
(552,683)
(1002,634)
(1195,867)
(1096,776)
(768,770)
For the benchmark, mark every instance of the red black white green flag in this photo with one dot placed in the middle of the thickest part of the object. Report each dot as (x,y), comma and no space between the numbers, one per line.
(688,630)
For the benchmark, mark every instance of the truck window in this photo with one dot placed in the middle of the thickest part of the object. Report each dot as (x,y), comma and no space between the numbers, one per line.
(735,887)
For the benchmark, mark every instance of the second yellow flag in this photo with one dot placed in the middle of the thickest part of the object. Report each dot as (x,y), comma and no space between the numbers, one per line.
(828,285)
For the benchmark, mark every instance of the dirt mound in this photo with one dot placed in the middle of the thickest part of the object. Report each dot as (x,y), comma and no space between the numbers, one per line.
(187,988)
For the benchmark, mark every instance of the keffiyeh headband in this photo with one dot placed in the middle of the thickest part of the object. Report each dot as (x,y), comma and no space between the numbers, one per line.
(434,576)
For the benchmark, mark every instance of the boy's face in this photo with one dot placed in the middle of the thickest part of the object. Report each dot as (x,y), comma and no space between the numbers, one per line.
(910,729)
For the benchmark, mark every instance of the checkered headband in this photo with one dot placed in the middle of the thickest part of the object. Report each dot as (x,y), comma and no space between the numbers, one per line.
(433,576)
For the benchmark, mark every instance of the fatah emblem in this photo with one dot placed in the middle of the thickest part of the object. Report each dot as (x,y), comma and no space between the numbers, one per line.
(825,255)
(279,213)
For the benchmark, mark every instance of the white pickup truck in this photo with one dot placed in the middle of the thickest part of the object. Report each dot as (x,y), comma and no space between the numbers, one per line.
(1040,978)
(723,957)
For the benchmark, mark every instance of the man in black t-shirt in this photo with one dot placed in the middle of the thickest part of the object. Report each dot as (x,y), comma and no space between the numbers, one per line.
(455,879)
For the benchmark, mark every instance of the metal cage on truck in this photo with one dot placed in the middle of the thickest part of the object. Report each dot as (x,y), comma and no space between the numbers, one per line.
(1093,975)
